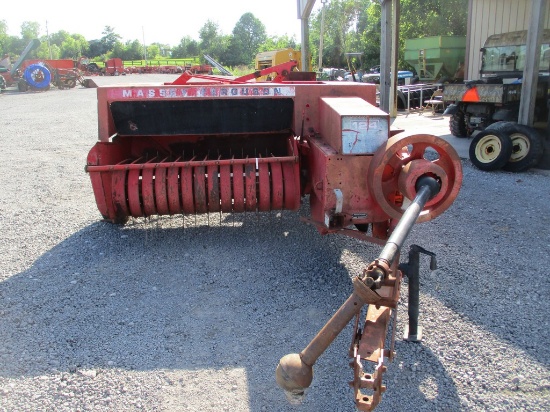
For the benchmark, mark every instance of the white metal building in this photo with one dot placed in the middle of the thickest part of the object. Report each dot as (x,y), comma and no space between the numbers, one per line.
(487,17)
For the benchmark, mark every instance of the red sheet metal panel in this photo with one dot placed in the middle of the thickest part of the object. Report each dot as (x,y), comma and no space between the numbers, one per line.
(277,186)
(188,205)
(199,186)
(291,190)
(133,193)
(213,188)
(238,188)
(264,203)
(119,193)
(250,186)
(173,185)
(161,198)
(225,188)
(147,192)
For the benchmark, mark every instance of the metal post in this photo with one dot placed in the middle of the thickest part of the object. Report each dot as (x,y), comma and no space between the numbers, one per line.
(385,55)
(324,2)
(413,332)
(412,269)
(532,62)
(394,57)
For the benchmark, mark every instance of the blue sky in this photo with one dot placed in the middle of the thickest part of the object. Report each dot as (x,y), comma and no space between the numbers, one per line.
(156,22)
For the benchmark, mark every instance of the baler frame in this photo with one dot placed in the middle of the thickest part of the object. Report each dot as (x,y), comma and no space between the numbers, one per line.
(206,144)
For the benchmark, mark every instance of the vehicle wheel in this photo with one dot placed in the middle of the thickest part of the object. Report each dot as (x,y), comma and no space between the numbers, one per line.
(527,147)
(22,86)
(457,124)
(490,150)
(70,83)
(37,76)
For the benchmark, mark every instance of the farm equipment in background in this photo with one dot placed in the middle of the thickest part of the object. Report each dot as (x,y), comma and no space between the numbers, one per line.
(217,65)
(437,58)
(11,75)
(113,67)
(205,144)
(272,58)
(491,106)
(40,74)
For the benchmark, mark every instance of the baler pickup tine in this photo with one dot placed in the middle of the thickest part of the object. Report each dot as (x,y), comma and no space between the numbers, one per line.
(138,160)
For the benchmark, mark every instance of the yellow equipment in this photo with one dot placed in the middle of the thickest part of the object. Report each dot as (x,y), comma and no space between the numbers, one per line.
(275,57)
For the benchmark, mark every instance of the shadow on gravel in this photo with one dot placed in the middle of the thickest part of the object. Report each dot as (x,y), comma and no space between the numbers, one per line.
(155,295)
(492,250)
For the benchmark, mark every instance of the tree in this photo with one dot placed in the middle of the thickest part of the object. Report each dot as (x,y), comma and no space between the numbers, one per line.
(110,38)
(248,36)
(153,51)
(71,48)
(59,37)
(186,48)
(30,30)
(208,34)
(279,42)
(96,48)
(3,37)
(340,32)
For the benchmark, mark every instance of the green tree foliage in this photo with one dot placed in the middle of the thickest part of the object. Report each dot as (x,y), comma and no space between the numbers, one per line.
(279,42)
(30,30)
(96,48)
(350,26)
(186,48)
(354,26)
(130,50)
(3,38)
(109,39)
(209,37)
(247,37)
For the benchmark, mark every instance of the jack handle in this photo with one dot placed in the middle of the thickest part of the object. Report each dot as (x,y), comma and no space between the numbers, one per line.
(294,372)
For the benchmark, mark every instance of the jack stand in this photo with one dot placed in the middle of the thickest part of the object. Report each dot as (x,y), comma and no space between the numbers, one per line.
(413,332)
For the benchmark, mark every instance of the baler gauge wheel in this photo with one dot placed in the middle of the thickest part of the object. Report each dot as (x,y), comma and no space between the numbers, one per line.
(396,167)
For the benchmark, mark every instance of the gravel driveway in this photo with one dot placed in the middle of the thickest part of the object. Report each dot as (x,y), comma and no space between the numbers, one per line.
(185,314)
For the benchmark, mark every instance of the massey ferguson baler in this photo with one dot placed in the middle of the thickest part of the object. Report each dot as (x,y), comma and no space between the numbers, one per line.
(210,145)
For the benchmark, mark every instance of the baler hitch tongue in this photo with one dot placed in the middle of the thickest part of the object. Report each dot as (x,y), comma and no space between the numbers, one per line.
(377,287)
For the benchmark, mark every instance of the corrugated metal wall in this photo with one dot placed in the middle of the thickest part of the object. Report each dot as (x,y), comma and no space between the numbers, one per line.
(488,17)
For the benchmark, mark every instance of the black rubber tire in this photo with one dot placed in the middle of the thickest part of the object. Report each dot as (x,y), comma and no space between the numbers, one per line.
(22,85)
(527,145)
(490,150)
(457,124)
(38,76)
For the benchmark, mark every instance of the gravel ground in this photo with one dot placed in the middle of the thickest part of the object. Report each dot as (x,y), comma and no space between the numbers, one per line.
(185,314)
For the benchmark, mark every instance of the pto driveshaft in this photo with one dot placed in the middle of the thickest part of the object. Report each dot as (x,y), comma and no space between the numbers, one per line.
(295,371)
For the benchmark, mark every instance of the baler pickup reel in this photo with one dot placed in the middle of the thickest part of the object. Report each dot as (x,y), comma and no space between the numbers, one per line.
(207,144)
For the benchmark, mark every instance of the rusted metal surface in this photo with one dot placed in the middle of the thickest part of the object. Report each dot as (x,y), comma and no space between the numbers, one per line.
(208,145)
(397,161)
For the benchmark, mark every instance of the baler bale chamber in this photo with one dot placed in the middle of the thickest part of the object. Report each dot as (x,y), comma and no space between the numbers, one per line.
(208,145)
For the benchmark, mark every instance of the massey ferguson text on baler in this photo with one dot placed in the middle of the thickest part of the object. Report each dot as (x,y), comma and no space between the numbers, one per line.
(204,144)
